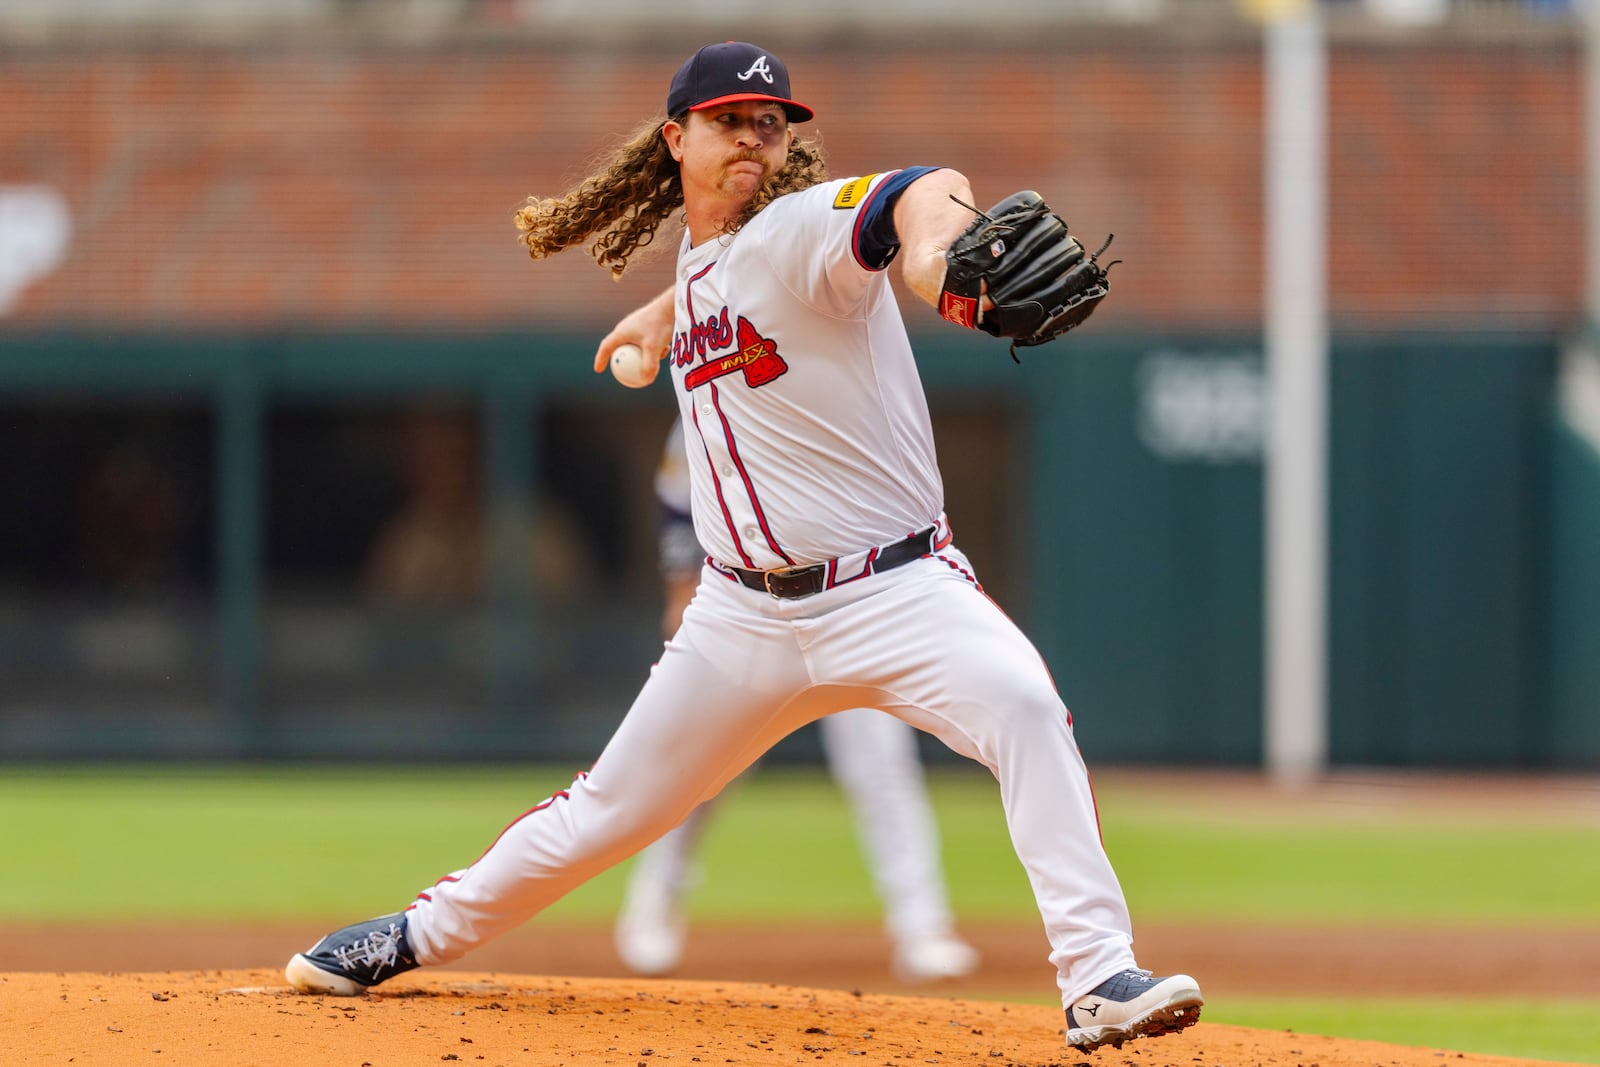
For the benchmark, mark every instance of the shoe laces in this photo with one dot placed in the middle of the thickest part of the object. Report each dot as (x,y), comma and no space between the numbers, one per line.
(377,950)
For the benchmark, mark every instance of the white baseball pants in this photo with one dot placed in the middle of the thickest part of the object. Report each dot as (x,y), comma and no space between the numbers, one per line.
(921,642)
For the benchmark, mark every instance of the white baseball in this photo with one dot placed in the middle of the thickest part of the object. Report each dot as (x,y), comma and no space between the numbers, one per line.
(627,367)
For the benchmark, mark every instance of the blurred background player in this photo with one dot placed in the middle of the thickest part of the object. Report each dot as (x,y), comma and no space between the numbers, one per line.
(433,550)
(872,755)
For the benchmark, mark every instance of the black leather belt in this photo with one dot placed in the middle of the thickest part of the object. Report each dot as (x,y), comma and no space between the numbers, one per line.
(791,583)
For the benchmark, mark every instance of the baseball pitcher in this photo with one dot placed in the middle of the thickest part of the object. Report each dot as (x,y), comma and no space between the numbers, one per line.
(833,581)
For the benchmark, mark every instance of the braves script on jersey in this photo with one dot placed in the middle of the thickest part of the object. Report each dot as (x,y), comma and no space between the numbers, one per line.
(792,318)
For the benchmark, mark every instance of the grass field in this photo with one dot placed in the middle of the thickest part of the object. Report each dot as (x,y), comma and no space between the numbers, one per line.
(1561,1030)
(232,844)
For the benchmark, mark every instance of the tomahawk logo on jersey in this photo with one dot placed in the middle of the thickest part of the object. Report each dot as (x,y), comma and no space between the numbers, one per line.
(757,357)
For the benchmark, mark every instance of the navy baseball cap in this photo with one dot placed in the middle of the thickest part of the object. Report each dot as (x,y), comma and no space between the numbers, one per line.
(724,73)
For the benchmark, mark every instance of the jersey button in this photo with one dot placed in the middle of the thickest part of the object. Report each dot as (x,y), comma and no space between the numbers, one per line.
(727,472)
(751,532)
(705,409)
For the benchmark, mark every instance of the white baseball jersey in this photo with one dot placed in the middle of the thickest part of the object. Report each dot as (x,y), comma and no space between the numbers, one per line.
(808,430)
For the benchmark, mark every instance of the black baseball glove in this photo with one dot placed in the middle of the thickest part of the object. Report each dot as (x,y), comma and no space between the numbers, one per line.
(1021,256)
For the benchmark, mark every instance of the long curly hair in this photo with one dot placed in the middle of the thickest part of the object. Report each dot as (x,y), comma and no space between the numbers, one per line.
(630,195)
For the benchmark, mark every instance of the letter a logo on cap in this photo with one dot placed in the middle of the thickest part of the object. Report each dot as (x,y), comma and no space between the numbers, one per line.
(711,77)
(758,67)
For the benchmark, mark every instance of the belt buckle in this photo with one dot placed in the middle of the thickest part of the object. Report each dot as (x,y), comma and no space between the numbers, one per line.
(781,572)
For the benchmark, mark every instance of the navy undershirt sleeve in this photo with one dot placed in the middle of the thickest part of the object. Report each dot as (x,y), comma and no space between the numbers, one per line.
(878,242)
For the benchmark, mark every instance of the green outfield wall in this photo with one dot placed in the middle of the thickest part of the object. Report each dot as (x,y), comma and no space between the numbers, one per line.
(1572,586)
(1108,490)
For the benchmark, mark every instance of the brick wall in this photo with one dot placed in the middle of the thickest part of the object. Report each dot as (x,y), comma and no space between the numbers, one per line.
(293,186)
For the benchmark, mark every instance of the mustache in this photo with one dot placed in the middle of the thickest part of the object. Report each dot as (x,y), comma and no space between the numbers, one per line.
(747,155)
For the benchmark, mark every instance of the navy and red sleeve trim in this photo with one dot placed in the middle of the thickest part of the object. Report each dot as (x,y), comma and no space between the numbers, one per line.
(876,242)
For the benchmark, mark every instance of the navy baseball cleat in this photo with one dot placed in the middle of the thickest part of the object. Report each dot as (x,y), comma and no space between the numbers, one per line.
(350,961)
(1132,1004)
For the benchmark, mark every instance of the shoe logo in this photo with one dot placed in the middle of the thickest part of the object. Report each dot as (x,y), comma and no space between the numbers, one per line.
(758,67)
(1090,1012)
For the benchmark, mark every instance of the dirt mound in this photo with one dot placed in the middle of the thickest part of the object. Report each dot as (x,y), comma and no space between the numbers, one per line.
(1228,959)
(251,1017)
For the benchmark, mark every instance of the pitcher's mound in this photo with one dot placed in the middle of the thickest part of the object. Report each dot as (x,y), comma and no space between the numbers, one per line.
(251,1017)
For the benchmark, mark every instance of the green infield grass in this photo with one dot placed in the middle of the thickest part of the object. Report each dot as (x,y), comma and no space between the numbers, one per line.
(232,843)
(1561,1030)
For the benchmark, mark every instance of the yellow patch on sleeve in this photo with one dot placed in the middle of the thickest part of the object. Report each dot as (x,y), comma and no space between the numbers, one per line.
(852,192)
